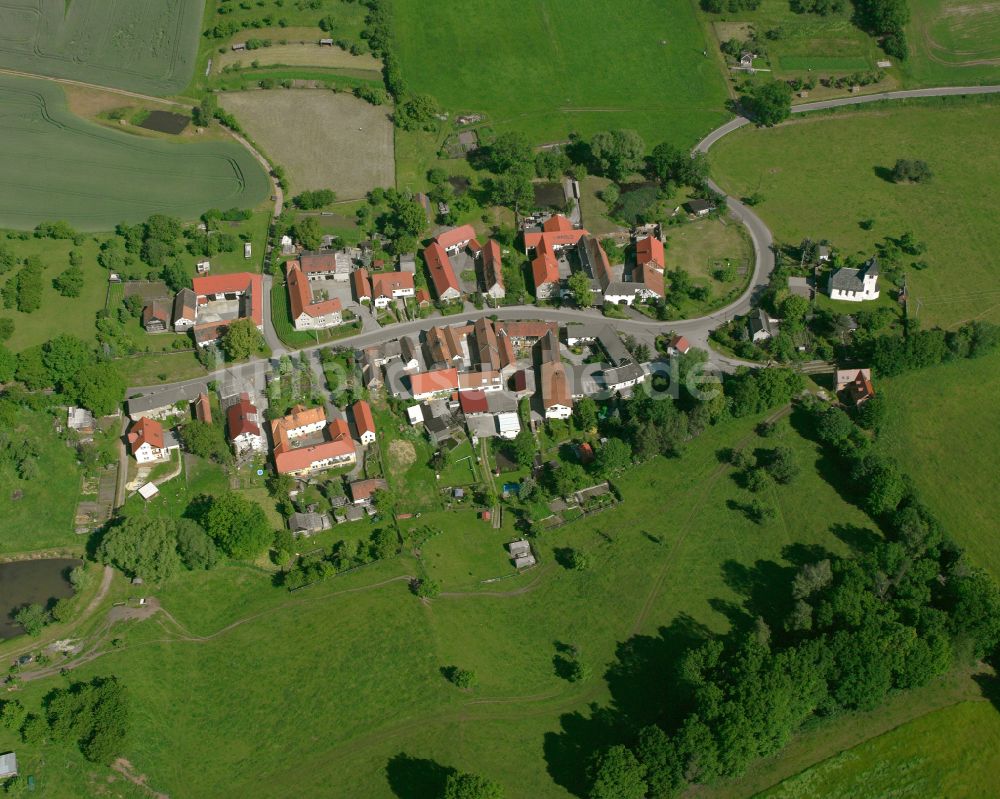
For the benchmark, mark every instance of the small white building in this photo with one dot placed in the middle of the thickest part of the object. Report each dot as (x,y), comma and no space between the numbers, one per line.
(856,285)
(508,425)
(204,267)
(8,765)
(415,414)
(247,250)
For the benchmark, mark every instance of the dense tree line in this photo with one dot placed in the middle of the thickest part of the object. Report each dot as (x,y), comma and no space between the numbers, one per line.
(851,630)
(893,355)
(382,544)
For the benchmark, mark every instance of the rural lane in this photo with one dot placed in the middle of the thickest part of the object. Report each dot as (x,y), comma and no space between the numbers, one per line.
(696,330)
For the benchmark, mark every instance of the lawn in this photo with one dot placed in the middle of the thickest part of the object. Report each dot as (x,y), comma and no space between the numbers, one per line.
(323,140)
(544,67)
(351,677)
(43,516)
(953,42)
(945,426)
(62,167)
(57,314)
(143,47)
(954,751)
(700,248)
(820,176)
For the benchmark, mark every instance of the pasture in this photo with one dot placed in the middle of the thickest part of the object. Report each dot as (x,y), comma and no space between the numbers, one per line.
(141,47)
(362,701)
(323,140)
(820,176)
(944,425)
(303,55)
(954,751)
(58,166)
(953,42)
(551,67)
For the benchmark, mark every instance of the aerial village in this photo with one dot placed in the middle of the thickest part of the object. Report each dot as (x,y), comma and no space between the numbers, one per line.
(476,386)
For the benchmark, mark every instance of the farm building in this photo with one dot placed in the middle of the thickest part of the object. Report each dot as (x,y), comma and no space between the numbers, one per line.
(389,286)
(439,382)
(491,265)
(308,311)
(442,272)
(364,423)
(221,299)
(304,443)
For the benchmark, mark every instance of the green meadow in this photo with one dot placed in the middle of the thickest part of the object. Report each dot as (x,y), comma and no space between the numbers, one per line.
(552,67)
(820,176)
(944,425)
(349,679)
(58,166)
(954,751)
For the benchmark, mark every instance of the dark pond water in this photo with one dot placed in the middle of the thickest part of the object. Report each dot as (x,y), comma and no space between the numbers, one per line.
(165,122)
(32,581)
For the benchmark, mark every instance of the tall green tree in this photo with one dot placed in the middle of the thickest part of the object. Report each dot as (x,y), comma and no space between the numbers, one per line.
(143,547)
(238,526)
(617,774)
(618,153)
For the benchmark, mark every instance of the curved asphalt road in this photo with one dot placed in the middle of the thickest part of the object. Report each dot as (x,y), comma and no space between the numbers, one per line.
(695,330)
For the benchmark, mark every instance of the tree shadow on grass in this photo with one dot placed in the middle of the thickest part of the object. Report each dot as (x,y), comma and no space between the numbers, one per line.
(766,587)
(884,173)
(416,778)
(645,689)
(859,539)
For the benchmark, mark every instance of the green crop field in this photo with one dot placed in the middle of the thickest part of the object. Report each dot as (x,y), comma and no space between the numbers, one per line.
(954,751)
(821,175)
(143,47)
(953,42)
(550,67)
(58,166)
(350,677)
(945,425)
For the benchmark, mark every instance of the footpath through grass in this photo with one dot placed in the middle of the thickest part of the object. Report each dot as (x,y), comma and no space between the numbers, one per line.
(822,175)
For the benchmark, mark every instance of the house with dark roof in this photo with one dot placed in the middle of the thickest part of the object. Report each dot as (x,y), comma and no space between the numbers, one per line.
(185,309)
(156,316)
(761,326)
(698,207)
(491,269)
(855,285)
(307,524)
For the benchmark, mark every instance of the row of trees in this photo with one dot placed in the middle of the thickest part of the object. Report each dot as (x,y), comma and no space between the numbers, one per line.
(892,355)
(382,544)
(851,629)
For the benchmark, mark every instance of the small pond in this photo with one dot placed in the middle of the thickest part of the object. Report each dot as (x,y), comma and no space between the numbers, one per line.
(24,582)
(165,122)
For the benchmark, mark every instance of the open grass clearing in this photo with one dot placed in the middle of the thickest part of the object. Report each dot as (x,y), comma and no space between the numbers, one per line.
(541,67)
(820,176)
(944,425)
(703,246)
(954,751)
(141,47)
(322,139)
(58,166)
